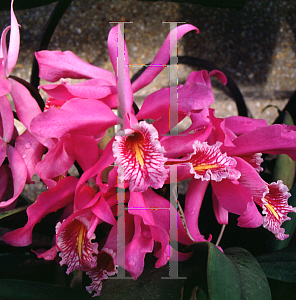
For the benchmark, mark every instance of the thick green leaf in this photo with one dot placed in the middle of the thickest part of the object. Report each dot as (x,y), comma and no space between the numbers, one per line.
(22,289)
(280,265)
(254,284)
(7,213)
(285,167)
(223,279)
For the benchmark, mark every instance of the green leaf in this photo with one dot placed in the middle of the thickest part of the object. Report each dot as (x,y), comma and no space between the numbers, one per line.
(22,289)
(8,213)
(285,167)
(223,279)
(280,265)
(254,284)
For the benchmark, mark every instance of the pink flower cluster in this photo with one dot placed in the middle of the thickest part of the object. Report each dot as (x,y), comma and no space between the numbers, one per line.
(139,159)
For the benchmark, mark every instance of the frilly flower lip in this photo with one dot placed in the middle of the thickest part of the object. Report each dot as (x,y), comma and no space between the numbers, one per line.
(76,249)
(275,208)
(208,163)
(105,267)
(140,157)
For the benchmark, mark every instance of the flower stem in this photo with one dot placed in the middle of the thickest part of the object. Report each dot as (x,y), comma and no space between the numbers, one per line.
(220,235)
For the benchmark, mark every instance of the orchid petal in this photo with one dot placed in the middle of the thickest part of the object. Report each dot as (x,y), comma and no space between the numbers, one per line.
(14,43)
(7,118)
(25,105)
(105,267)
(4,181)
(251,217)
(5,86)
(96,118)
(54,65)
(208,163)
(232,195)
(273,139)
(140,158)
(49,254)
(19,174)
(81,146)
(76,249)
(102,210)
(180,145)
(120,61)
(31,150)
(194,197)
(275,209)
(240,125)
(63,157)
(220,212)
(136,250)
(161,58)
(49,201)
(2,151)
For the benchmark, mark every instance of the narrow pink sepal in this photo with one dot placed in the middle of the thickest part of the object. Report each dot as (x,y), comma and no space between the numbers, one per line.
(19,174)
(14,43)
(221,213)
(54,65)
(120,61)
(50,201)
(3,146)
(76,116)
(3,180)
(5,86)
(136,250)
(6,119)
(49,254)
(194,197)
(161,58)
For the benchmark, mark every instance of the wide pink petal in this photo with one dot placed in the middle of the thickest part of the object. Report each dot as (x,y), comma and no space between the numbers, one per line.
(77,116)
(86,151)
(161,58)
(273,139)
(88,89)
(31,151)
(25,105)
(251,217)
(240,125)
(232,195)
(19,174)
(54,65)
(63,157)
(50,201)
(14,43)
(6,118)
(102,210)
